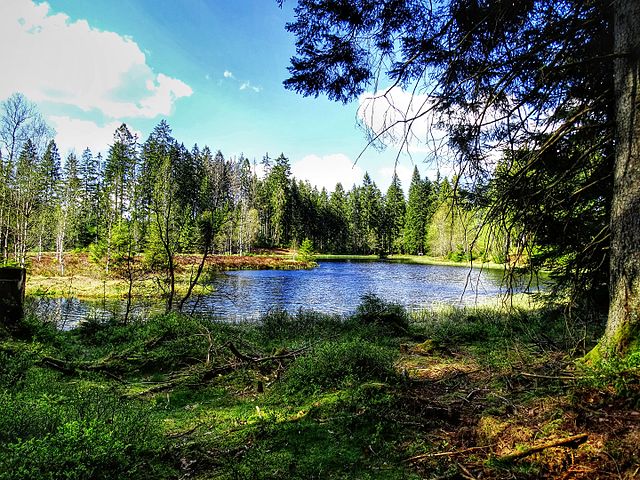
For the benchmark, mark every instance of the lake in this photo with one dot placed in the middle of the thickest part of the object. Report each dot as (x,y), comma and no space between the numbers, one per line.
(333,287)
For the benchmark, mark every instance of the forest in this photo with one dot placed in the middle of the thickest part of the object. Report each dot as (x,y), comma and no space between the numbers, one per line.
(540,104)
(140,194)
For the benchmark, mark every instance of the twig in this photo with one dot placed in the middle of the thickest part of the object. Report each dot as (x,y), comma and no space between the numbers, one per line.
(572,441)
(185,433)
(422,456)
(466,473)
(549,377)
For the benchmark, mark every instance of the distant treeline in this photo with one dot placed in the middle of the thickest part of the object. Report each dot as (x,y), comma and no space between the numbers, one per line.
(159,198)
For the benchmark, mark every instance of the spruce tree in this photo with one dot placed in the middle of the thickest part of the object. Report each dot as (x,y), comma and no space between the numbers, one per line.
(415,227)
(394,216)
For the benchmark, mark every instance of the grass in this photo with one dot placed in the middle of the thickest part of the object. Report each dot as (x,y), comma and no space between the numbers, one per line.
(84,279)
(379,395)
(344,258)
(427,260)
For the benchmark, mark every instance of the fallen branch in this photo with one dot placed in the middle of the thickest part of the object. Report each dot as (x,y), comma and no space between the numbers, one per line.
(422,456)
(72,368)
(572,441)
(466,473)
(549,377)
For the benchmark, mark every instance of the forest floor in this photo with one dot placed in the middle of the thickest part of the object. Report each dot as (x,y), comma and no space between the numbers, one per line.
(475,393)
(86,279)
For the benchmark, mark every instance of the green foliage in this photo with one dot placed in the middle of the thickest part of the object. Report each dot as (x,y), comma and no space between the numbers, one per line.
(375,311)
(305,252)
(162,343)
(338,364)
(489,326)
(49,428)
(620,373)
(304,325)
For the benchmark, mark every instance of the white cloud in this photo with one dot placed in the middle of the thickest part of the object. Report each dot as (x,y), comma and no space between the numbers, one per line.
(74,134)
(384,175)
(402,120)
(51,58)
(328,170)
(247,85)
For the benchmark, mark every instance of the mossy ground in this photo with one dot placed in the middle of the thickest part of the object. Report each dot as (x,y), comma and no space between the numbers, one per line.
(379,395)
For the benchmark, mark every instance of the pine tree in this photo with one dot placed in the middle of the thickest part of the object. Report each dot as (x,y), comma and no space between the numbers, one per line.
(51,175)
(338,208)
(90,175)
(415,228)
(371,208)
(394,217)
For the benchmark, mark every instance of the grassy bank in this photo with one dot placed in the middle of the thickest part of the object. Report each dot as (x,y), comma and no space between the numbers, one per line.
(419,259)
(427,260)
(474,393)
(82,278)
(345,258)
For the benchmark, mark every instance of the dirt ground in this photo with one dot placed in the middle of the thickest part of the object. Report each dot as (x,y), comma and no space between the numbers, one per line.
(522,421)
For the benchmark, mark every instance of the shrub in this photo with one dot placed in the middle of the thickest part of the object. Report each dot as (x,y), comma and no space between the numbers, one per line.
(337,365)
(622,374)
(375,311)
(51,430)
(303,325)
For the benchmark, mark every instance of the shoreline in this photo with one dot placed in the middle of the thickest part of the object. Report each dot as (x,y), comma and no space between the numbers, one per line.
(87,280)
(417,259)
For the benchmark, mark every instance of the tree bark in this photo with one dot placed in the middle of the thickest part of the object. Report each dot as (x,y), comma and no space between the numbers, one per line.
(623,325)
(12,286)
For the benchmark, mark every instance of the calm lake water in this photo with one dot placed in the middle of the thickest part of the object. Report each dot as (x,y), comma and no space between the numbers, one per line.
(332,287)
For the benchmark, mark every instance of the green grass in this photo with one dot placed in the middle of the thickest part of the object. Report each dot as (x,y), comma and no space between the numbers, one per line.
(346,258)
(427,260)
(299,396)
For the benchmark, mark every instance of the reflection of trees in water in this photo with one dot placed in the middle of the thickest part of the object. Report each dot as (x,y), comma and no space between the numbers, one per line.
(333,289)
(67,313)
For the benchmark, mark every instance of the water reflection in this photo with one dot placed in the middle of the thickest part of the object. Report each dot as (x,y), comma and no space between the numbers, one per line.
(332,287)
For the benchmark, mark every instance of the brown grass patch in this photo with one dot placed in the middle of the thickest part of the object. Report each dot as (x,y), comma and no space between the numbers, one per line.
(85,279)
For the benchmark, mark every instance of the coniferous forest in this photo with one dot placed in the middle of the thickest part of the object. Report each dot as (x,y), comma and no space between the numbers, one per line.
(147,196)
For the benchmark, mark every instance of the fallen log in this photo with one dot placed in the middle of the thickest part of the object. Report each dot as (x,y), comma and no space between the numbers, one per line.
(572,441)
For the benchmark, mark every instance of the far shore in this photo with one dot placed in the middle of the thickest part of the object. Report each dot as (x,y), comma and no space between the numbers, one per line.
(85,279)
(421,259)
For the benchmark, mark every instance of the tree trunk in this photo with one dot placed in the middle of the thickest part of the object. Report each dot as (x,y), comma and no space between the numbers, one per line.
(623,325)
(12,286)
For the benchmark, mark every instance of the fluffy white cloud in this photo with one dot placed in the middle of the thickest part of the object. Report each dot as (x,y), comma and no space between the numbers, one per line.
(328,170)
(51,58)
(74,134)
(228,74)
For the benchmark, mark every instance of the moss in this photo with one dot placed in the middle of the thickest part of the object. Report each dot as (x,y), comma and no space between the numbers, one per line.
(489,429)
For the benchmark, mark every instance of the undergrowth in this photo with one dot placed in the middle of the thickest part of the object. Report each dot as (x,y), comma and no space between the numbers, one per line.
(303,395)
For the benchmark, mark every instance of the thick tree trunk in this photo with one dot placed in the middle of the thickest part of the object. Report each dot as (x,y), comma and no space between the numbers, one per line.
(623,325)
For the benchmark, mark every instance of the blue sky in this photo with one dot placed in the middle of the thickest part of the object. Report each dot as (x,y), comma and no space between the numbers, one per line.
(212,69)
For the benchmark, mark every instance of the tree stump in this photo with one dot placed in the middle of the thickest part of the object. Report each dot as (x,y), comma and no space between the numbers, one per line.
(12,285)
